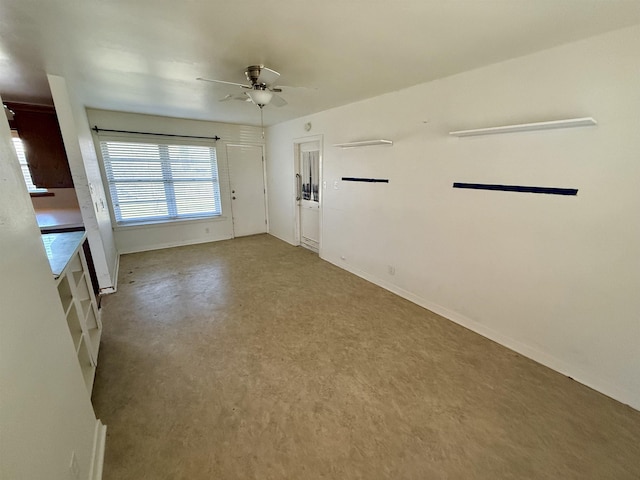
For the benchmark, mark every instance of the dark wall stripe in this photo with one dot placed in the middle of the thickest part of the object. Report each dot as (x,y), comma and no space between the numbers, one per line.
(370,180)
(517,188)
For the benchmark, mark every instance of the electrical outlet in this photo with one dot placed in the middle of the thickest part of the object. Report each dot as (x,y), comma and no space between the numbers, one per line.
(392,270)
(74,468)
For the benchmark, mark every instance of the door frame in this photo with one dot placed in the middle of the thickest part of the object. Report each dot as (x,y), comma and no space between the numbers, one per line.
(264,180)
(296,170)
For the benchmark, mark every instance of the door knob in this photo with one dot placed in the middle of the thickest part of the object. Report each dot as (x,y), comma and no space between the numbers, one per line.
(233,198)
(233,191)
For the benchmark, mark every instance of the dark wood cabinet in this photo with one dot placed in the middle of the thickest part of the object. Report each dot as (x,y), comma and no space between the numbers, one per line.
(38,127)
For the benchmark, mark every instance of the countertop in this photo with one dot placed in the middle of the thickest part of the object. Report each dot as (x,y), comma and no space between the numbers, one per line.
(60,248)
(59,218)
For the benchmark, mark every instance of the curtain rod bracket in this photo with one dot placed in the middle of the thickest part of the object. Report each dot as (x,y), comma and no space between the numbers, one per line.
(98,130)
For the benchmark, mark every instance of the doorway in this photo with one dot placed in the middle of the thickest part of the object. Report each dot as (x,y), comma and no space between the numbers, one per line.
(246,179)
(308,158)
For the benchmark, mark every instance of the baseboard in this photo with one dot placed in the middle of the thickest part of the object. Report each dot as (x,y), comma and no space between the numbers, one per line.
(283,239)
(544,358)
(160,246)
(116,271)
(97,456)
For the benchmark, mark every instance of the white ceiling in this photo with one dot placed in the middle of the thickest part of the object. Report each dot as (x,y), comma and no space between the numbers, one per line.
(144,55)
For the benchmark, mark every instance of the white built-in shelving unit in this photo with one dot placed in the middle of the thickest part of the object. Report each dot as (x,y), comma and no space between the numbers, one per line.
(80,306)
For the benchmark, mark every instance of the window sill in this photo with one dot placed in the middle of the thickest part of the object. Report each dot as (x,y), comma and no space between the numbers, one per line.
(168,223)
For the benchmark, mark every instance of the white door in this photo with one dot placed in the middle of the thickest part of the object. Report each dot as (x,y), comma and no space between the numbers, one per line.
(246,177)
(308,195)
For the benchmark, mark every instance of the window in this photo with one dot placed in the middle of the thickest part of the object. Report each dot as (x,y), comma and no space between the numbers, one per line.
(151,182)
(22,158)
(310,171)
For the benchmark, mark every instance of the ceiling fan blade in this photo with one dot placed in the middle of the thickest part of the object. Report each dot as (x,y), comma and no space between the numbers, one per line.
(223,82)
(289,87)
(268,76)
(277,101)
(229,96)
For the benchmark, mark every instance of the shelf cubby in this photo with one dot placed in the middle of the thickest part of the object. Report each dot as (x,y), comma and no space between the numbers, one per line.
(75,263)
(86,365)
(86,307)
(75,327)
(65,294)
(82,291)
(77,277)
(94,330)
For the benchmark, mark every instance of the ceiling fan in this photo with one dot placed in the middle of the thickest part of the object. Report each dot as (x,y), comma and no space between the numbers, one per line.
(261,90)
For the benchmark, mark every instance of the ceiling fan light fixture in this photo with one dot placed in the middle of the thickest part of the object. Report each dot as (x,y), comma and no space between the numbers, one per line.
(260,97)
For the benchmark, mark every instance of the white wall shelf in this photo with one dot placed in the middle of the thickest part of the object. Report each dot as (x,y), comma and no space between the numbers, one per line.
(525,127)
(364,143)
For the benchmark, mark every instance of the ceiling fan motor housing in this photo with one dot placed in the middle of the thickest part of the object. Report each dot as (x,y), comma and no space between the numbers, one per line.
(253,73)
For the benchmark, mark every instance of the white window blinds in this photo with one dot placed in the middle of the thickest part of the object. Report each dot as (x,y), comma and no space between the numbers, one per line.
(151,182)
(17,144)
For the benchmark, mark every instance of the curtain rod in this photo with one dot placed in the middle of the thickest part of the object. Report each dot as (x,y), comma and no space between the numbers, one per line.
(98,130)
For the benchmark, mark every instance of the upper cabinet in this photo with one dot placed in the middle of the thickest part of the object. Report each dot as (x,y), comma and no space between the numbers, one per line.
(38,128)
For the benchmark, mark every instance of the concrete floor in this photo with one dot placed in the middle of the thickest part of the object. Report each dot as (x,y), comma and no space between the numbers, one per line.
(252,359)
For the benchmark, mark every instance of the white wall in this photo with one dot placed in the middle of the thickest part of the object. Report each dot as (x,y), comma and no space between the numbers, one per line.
(141,238)
(45,411)
(87,181)
(553,277)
